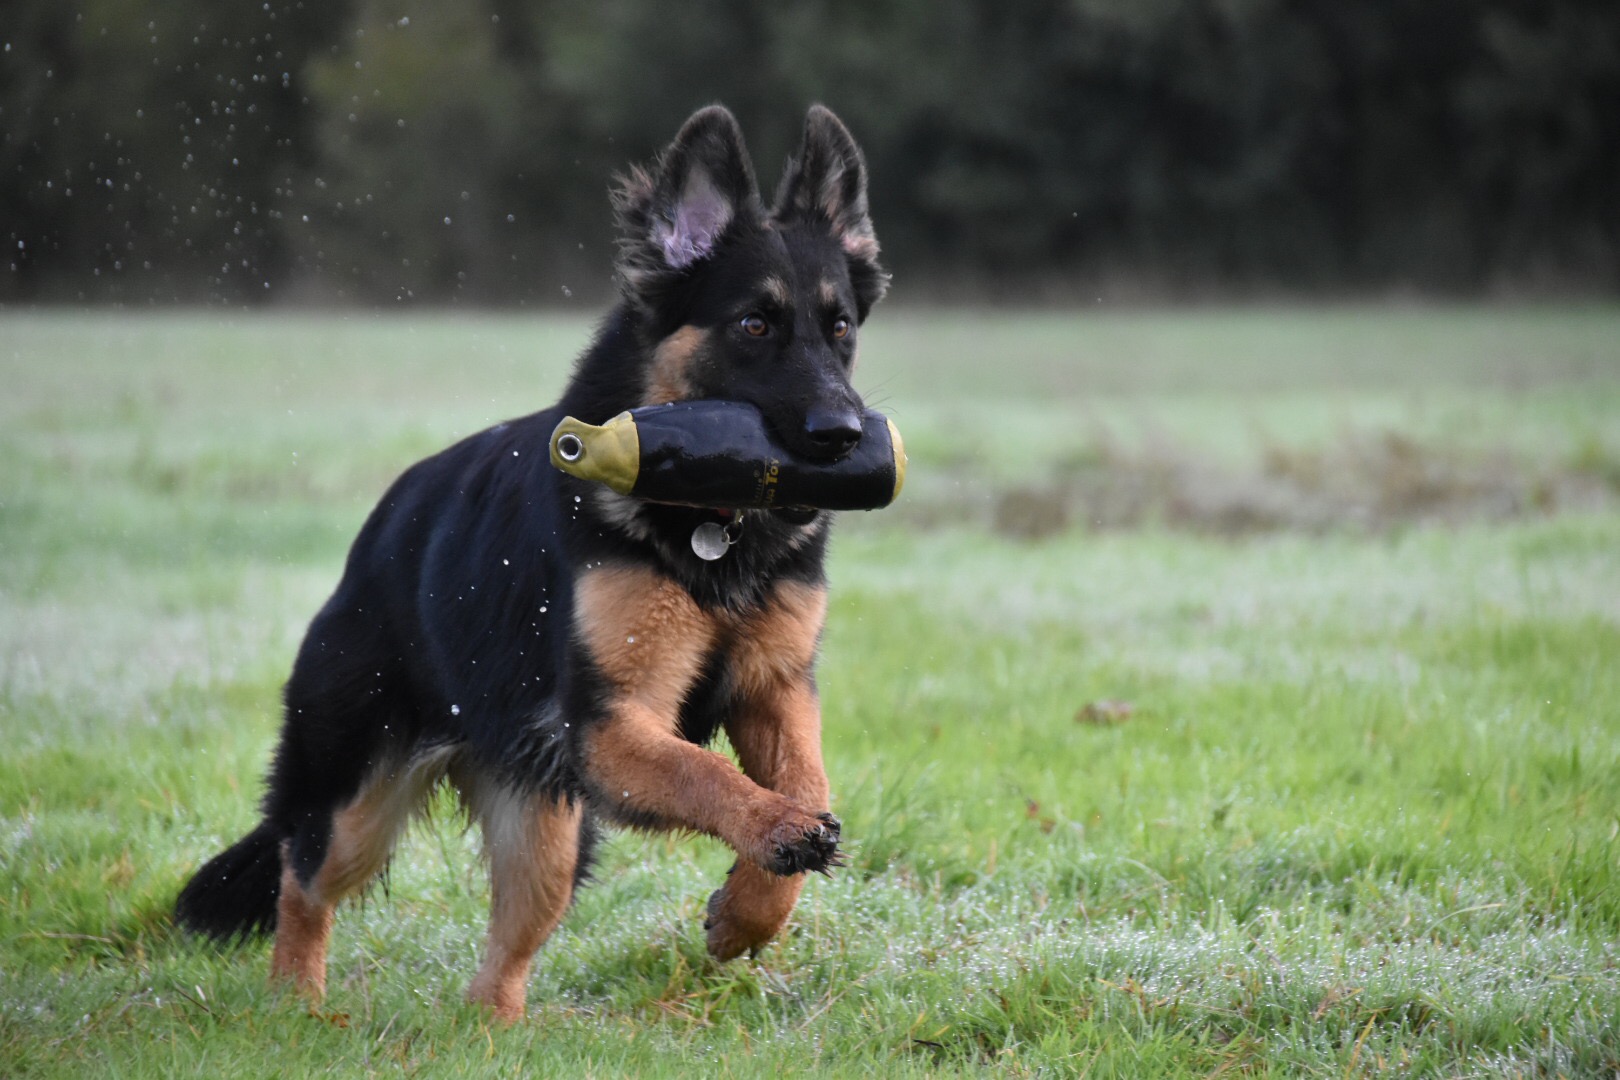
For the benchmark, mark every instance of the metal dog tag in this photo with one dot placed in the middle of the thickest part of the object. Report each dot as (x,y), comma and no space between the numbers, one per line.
(709,541)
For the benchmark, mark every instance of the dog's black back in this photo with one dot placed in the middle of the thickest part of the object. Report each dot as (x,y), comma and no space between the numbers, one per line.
(458,643)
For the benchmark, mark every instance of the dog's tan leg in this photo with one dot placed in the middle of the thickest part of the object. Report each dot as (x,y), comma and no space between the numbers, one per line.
(533,849)
(649,639)
(363,835)
(776,731)
(659,780)
(779,746)
(303,926)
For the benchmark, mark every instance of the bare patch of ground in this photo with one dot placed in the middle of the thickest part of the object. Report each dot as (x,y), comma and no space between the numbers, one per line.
(1363,481)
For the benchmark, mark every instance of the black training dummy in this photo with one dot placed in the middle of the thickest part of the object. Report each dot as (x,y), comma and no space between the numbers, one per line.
(721,454)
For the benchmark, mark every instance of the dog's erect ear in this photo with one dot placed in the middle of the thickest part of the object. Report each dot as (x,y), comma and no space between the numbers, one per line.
(674,214)
(826,180)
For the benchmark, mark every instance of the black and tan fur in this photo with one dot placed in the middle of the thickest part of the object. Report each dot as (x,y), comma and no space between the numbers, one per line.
(555,651)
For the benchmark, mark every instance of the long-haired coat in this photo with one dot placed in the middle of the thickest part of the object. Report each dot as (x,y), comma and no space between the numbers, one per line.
(556,651)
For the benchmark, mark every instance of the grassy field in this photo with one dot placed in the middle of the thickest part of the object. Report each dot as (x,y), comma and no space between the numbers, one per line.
(1230,692)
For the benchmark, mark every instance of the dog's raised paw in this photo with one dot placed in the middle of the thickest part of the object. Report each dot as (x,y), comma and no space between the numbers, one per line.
(812,848)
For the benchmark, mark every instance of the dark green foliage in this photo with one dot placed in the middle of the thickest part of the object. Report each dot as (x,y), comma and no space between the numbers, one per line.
(152,152)
(387,151)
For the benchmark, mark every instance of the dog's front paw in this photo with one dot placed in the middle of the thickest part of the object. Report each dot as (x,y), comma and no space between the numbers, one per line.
(796,846)
(729,936)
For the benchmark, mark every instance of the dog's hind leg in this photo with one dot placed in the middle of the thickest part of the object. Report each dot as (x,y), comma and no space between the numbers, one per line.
(533,843)
(362,836)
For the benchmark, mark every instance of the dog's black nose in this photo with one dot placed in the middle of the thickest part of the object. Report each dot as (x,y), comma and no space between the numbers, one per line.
(833,432)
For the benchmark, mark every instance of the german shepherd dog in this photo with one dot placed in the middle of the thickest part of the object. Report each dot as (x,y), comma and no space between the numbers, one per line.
(556,651)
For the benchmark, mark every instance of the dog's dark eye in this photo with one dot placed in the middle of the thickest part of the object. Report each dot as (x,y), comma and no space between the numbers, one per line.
(754,325)
(840,328)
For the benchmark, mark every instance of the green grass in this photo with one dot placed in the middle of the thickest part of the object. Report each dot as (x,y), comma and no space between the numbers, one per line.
(1363,816)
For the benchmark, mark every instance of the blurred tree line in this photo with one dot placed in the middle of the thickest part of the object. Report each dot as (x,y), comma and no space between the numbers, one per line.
(385,151)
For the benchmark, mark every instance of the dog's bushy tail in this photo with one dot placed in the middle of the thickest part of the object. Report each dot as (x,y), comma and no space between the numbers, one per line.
(234,895)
